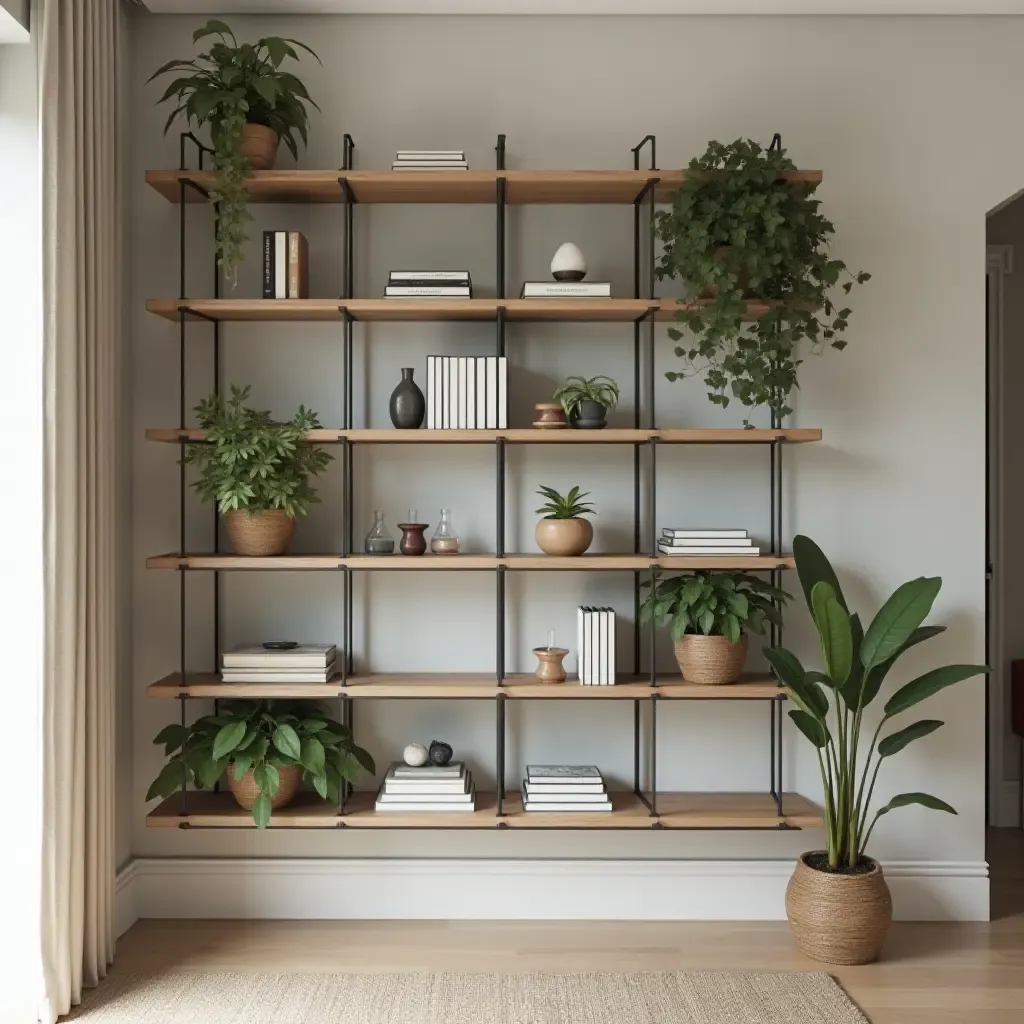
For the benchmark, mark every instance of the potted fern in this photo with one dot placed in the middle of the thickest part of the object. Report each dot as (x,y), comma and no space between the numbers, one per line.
(563,530)
(256,469)
(265,749)
(837,901)
(251,105)
(586,401)
(709,615)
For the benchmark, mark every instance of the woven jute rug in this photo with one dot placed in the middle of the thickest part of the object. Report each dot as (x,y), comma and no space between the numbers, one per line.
(662,998)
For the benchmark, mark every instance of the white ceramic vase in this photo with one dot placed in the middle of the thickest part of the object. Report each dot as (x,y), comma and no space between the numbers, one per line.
(568,263)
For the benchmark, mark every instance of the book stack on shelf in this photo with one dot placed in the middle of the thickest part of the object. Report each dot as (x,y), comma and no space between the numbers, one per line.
(566,290)
(467,392)
(285,265)
(565,788)
(431,787)
(684,541)
(430,160)
(429,284)
(254,663)
(595,645)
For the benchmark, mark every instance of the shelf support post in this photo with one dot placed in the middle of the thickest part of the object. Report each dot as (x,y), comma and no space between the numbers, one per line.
(499,656)
(653,811)
(500,766)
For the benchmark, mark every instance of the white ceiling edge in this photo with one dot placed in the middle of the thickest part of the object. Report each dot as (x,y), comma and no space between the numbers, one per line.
(11,30)
(571,7)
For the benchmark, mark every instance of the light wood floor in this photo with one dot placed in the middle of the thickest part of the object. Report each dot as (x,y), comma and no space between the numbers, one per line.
(930,974)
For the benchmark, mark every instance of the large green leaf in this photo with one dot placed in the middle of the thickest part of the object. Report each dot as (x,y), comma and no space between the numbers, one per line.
(286,739)
(896,741)
(833,624)
(170,780)
(364,759)
(172,736)
(923,799)
(850,691)
(227,739)
(813,567)
(815,731)
(925,686)
(875,678)
(785,664)
(261,810)
(212,27)
(312,756)
(267,778)
(897,619)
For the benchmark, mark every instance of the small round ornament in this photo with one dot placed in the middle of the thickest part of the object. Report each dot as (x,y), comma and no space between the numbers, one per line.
(415,755)
(568,263)
(440,753)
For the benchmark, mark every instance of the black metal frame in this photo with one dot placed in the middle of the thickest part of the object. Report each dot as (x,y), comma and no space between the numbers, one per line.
(645,484)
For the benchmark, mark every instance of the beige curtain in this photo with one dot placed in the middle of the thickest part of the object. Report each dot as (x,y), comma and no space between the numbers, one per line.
(79,50)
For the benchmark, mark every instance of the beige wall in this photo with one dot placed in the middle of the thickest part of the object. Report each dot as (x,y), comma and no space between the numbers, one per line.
(907,120)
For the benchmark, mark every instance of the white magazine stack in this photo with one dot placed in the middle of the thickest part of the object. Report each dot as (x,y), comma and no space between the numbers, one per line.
(254,663)
(564,788)
(595,646)
(431,787)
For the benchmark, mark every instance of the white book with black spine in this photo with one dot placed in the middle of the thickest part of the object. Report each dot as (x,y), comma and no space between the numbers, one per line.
(566,290)
(702,534)
(430,154)
(258,656)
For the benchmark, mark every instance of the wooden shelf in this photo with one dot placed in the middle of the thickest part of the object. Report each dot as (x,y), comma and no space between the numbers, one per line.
(442,186)
(528,435)
(462,686)
(423,310)
(582,563)
(675,811)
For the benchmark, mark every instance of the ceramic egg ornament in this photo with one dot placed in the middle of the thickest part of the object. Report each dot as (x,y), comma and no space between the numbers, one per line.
(568,263)
(415,755)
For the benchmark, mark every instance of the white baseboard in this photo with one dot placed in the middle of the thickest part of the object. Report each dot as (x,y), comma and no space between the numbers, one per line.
(530,890)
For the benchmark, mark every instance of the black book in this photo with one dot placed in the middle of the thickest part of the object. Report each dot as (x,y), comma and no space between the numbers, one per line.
(268,265)
(423,282)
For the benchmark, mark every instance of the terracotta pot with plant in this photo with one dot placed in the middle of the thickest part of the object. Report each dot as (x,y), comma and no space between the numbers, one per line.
(563,530)
(744,225)
(251,105)
(586,401)
(709,615)
(257,470)
(837,901)
(265,749)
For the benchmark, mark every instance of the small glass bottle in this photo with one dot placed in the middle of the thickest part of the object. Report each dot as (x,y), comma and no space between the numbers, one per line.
(378,540)
(445,540)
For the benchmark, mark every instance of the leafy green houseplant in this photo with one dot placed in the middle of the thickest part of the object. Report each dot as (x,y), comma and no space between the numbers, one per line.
(709,615)
(737,229)
(563,530)
(830,713)
(250,104)
(587,401)
(256,469)
(265,749)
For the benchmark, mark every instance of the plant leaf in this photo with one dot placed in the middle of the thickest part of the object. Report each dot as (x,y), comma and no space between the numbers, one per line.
(877,675)
(833,624)
(930,683)
(170,780)
(267,778)
(364,759)
(923,799)
(813,567)
(897,619)
(312,757)
(227,739)
(286,739)
(896,741)
(814,730)
(261,810)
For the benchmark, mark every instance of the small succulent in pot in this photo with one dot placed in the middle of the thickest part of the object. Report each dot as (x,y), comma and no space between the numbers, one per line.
(586,401)
(563,530)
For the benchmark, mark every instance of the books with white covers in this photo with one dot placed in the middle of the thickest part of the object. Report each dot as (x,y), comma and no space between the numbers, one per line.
(562,772)
(431,805)
(439,276)
(285,672)
(253,675)
(429,771)
(454,800)
(258,656)
(703,542)
(685,533)
(566,290)
(438,787)
(430,165)
(395,291)
(430,154)
(564,794)
(595,638)
(584,806)
(704,549)
(467,392)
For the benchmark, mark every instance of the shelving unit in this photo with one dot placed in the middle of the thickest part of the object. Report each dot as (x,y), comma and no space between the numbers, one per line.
(642,808)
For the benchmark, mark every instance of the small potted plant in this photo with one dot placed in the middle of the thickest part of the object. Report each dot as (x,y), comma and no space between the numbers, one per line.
(563,530)
(709,615)
(738,229)
(586,402)
(250,104)
(265,749)
(257,470)
(837,901)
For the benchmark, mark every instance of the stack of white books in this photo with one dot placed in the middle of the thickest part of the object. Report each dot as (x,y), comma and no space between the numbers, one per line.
(429,284)
(595,646)
(685,541)
(431,787)
(430,160)
(564,787)
(254,663)
(566,290)
(467,392)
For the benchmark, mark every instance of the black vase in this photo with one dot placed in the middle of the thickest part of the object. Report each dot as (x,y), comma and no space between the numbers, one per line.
(407,406)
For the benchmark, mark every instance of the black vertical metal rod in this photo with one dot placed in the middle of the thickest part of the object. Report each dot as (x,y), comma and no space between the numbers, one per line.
(346,496)
(499,154)
(652,631)
(348,660)
(654,755)
(772,704)
(778,749)
(636,747)
(652,512)
(344,626)
(216,390)
(500,754)
(347,149)
(499,646)
(500,240)
(500,502)
(184,786)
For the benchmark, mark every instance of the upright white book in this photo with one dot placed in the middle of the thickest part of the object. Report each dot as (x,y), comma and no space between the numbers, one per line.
(492,392)
(471,393)
(280,264)
(453,392)
(611,680)
(430,393)
(481,392)
(502,393)
(258,656)
(587,673)
(463,393)
(580,615)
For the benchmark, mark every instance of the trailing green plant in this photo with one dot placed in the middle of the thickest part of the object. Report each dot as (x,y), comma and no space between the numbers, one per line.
(229,86)
(252,462)
(564,506)
(264,735)
(738,228)
(600,389)
(830,705)
(712,604)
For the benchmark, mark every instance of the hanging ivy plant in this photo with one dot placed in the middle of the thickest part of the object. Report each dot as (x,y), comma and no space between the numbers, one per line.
(737,230)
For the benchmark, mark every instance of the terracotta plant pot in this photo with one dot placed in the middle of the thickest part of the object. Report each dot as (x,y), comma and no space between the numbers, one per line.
(263,533)
(245,792)
(710,660)
(840,919)
(564,537)
(259,144)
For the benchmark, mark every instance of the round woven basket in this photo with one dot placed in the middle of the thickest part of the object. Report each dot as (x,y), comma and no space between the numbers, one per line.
(710,660)
(840,919)
(245,792)
(260,534)
(259,144)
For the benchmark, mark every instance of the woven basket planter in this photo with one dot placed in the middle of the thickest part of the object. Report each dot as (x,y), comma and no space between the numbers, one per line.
(710,660)
(840,919)
(259,144)
(263,533)
(245,792)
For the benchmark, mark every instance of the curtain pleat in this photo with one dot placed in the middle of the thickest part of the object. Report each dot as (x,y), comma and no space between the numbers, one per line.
(80,63)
